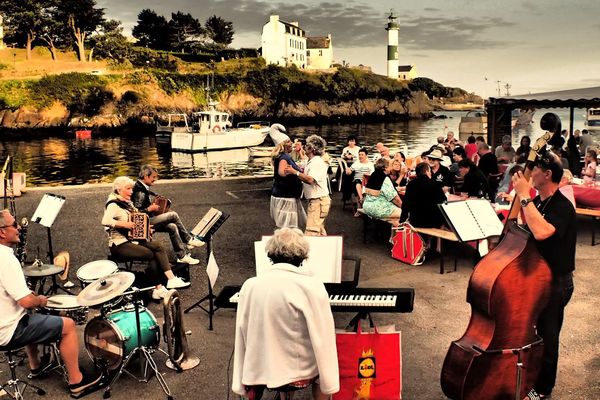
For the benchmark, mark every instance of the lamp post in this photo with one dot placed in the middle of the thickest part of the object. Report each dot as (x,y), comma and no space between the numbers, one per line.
(15,60)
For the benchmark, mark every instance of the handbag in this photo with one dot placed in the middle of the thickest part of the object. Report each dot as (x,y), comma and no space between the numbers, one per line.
(370,365)
(408,246)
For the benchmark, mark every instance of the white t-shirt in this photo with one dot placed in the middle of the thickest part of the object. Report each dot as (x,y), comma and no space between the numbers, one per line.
(317,169)
(352,150)
(362,169)
(12,289)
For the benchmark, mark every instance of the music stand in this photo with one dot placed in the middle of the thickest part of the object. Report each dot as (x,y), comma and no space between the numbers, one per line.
(210,297)
(45,215)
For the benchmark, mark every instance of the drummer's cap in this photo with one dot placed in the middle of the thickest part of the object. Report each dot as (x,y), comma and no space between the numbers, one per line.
(550,161)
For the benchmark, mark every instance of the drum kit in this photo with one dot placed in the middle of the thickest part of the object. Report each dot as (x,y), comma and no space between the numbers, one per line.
(123,329)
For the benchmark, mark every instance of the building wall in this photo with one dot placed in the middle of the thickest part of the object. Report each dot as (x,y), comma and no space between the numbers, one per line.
(280,47)
(320,58)
(408,75)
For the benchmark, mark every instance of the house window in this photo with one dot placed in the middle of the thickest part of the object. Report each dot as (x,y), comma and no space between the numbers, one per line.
(320,52)
(287,29)
(308,53)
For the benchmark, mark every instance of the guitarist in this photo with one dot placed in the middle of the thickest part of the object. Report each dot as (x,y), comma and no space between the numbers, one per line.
(143,200)
(551,219)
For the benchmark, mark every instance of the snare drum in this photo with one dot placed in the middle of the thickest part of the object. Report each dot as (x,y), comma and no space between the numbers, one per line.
(111,339)
(95,270)
(65,305)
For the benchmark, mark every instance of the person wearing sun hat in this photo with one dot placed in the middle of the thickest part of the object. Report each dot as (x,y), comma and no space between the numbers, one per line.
(439,173)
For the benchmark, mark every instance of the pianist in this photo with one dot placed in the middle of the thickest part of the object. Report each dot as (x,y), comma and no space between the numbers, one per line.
(285,334)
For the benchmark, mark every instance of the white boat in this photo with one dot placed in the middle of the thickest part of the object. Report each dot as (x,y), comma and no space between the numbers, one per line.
(592,120)
(261,151)
(473,123)
(212,130)
(175,122)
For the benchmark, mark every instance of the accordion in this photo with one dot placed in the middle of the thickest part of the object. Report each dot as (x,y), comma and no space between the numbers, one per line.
(163,203)
(141,229)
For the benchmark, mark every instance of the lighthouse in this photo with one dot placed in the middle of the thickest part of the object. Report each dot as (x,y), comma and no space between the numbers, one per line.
(392,49)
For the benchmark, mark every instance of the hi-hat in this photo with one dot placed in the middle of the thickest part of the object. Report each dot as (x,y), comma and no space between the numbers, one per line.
(39,270)
(105,289)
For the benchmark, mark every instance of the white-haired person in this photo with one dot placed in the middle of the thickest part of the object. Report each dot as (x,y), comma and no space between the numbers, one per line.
(285,333)
(316,188)
(286,207)
(117,223)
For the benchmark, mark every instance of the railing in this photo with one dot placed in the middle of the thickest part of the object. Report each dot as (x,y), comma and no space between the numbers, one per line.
(252,124)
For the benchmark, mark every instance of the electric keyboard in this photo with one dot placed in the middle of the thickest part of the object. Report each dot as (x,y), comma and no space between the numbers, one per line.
(351,299)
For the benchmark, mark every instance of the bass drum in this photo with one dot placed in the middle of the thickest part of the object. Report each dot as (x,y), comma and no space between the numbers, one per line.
(109,340)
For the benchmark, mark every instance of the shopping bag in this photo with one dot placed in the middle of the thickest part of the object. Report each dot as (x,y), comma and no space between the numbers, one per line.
(370,365)
(409,247)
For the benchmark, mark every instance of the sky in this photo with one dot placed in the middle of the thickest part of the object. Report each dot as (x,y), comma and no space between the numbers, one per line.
(479,45)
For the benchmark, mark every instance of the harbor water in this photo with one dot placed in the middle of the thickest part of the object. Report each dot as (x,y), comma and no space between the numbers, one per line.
(69,161)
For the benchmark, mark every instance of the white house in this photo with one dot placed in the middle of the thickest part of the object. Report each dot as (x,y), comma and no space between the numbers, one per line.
(283,43)
(1,32)
(407,72)
(319,52)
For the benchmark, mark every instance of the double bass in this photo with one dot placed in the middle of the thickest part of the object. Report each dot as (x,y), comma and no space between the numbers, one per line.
(499,356)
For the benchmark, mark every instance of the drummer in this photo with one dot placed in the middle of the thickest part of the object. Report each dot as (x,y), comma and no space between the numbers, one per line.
(116,220)
(19,327)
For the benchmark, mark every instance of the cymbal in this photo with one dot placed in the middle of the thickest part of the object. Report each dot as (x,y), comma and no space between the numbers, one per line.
(105,289)
(40,270)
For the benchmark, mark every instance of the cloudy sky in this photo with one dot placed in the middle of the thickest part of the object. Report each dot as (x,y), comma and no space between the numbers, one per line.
(531,45)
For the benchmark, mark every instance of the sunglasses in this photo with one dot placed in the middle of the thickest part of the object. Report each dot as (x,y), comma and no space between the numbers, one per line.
(14,225)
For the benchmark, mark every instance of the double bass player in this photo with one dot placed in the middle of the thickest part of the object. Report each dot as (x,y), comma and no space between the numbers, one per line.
(551,220)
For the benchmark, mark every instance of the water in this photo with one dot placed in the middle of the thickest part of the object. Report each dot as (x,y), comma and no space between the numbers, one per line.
(68,161)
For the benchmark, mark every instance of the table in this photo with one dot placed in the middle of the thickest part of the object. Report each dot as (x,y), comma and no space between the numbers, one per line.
(587,196)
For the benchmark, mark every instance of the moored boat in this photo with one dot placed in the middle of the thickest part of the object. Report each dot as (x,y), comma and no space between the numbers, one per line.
(592,120)
(473,123)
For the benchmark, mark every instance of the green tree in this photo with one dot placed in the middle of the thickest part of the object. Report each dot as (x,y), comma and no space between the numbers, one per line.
(184,30)
(151,30)
(83,19)
(110,43)
(219,31)
(24,20)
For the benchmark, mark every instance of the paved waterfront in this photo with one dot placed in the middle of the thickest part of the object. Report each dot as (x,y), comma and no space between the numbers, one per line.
(440,314)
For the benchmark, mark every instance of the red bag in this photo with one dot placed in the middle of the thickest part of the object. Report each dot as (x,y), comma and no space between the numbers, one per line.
(370,365)
(409,246)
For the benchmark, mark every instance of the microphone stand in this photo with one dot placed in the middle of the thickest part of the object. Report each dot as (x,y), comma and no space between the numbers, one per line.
(145,353)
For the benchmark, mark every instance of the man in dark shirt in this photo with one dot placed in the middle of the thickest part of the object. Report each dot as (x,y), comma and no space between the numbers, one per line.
(143,200)
(439,174)
(420,205)
(551,219)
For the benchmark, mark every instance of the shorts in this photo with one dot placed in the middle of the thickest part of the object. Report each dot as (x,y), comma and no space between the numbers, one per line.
(37,328)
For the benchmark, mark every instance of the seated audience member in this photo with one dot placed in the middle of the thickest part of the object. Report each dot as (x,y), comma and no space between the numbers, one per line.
(524,147)
(19,327)
(450,139)
(475,183)
(398,173)
(565,186)
(458,154)
(381,198)
(573,153)
(420,206)
(350,152)
(488,163)
(117,223)
(475,158)
(284,331)
(439,173)
(471,147)
(505,153)
(507,177)
(349,156)
(361,168)
(588,173)
(143,199)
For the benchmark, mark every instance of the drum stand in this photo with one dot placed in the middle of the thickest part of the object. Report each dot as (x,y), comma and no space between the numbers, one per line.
(145,354)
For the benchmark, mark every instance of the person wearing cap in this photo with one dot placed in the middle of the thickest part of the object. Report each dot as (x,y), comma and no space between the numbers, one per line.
(315,186)
(505,153)
(551,220)
(286,208)
(439,173)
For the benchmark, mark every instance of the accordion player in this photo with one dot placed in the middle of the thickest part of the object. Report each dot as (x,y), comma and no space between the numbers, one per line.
(141,229)
(163,203)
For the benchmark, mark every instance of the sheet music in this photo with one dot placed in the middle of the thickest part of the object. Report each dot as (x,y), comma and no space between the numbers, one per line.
(324,257)
(48,209)
(210,218)
(472,219)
